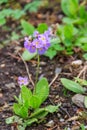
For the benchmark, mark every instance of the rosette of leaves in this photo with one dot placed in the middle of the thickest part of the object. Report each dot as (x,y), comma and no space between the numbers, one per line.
(27,109)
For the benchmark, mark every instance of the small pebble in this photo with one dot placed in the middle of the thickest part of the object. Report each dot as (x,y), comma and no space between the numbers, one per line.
(7,73)
(59,115)
(76,63)
(68,128)
(58,70)
(78,100)
(57,96)
(61,120)
(2,65)
(42,63)
(50,123)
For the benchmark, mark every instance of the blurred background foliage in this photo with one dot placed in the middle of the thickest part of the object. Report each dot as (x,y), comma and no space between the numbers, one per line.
(68,18)
(13,11)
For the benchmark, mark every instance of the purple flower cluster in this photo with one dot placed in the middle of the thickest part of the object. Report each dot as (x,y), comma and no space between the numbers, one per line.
(23,81)
(38,42)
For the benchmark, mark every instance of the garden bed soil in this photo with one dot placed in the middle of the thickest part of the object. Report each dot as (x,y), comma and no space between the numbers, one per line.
(12,66)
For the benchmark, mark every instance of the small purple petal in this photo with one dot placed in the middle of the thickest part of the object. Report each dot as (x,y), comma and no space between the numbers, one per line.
(23,81)
(41,50)
(32,49)
(37,43)
(42,38)
(35,34)
(47,45)
(48,32)
(26,39)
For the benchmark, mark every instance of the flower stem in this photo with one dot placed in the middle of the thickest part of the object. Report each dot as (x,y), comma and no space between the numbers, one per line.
(37,71)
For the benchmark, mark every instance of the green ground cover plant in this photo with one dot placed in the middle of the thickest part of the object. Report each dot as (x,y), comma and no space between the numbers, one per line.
(8,12)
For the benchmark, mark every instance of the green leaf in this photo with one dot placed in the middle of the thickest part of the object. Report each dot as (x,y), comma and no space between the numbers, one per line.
(33,6)
(19,99)
(74,21)
(70,7)
(85,101)
(84,47)
(82,12)
(3,1)
(68,43)
(30,121)
(35,101)
(58,47)
(14,119)
(50,53)
(52,108)
(17,13)
(81,81)
(39,113)
(42,27)
(68,20)
(14,36)
(10,120)
(26,94)
(42,112)
(42,89)
(4,13)
(19,127)
(22,111)
(55,41)
(2,21)
(68,31)
(72,86)
(83,40)
(55,44)
(28,56)
(82,127)
(85,56)
(28,28)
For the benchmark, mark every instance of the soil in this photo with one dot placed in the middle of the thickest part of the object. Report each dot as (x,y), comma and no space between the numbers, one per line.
(12,66)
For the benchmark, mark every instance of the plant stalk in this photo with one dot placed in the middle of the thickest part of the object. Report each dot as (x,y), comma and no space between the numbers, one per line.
(38,65)
(37,71)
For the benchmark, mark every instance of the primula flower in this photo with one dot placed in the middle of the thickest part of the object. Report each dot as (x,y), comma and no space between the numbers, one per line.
(41,50)
(42,38)
(35,34)
(40,42)
(32,48)
(23,81)
(37,43)
(27,44)
(48,33)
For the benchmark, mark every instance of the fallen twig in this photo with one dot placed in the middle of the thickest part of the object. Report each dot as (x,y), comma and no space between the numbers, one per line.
(83,71)
(73,118)
(16,57)
(52,128)
(27,69)
(53,79)
(58,71)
